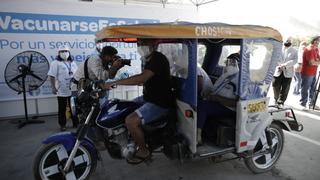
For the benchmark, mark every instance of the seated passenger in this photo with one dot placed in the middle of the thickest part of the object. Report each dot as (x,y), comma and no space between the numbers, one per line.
(221,100)
(205,86)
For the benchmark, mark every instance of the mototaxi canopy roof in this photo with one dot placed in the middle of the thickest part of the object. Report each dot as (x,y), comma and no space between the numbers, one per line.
(186,31)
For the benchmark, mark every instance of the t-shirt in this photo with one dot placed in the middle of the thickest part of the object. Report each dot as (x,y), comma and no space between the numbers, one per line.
(157,89)
(207,86)
(308,54)
(63,72)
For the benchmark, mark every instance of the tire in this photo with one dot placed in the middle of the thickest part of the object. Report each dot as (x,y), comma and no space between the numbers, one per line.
(48,160)
(263,163)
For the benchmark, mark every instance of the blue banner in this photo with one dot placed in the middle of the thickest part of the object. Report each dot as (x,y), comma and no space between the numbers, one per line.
(60,24)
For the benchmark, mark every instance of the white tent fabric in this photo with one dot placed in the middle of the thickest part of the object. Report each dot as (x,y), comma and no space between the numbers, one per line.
(165,2)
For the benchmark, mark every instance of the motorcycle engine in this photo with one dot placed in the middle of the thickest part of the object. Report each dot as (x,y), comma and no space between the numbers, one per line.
(121,146)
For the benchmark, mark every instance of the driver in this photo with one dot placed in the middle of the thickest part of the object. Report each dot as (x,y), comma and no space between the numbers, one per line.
(221,100)
(156,99)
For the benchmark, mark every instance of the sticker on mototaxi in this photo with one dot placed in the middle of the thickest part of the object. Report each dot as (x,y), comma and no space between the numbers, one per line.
(257,107)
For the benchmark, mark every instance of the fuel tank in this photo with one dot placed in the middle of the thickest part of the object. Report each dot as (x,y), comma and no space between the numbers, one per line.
(114,112)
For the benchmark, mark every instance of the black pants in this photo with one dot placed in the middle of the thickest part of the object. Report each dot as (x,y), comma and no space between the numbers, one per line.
(281,86)
(62,106)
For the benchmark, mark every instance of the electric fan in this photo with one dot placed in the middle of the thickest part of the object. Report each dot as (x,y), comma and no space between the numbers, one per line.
(26,72)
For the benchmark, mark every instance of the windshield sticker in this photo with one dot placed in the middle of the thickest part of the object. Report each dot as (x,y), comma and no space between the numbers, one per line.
(257,107)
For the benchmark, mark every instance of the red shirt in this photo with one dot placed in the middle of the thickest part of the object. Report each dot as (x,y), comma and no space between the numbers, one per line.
(308,54)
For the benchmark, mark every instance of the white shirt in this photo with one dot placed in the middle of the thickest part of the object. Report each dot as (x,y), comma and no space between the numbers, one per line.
(63,72)
(207,86)
(289,59)
(227,84)
(96,70)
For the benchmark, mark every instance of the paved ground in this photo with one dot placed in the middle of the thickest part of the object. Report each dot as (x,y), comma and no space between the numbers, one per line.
(20,145)
(300,159)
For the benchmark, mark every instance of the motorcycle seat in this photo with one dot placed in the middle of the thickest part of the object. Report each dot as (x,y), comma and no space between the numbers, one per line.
(161,122)
(157,124)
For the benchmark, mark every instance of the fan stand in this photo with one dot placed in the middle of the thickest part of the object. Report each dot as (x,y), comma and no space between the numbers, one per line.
(27,121)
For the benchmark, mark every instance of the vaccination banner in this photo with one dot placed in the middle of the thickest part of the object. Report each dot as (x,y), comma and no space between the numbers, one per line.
(45,33)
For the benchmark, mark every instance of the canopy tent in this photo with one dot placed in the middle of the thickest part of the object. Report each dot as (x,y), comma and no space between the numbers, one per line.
(187,30)
(164,2)
(167,2)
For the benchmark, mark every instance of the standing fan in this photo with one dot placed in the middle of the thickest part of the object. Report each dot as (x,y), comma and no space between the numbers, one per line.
(26,72)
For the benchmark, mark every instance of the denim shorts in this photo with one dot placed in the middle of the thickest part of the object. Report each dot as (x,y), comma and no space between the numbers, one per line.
(149,112)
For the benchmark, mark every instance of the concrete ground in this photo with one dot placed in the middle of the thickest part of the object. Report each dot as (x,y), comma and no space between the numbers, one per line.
(19,147)
(300,159)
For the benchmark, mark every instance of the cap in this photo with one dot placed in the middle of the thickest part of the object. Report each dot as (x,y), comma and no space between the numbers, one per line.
(64,48)
(108,51)
(235,56)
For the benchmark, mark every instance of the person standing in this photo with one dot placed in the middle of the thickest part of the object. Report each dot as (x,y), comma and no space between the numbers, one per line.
(297,69)
(103,66)
(284,73)
(60,73)
(310,62)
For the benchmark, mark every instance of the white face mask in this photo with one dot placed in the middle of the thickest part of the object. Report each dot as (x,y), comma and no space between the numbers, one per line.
(230,70)
(144,51)
(64,55)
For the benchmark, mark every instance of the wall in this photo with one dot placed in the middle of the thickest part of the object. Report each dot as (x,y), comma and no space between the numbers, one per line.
(22,34)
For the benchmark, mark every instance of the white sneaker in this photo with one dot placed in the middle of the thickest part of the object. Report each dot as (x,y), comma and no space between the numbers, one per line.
(303,108)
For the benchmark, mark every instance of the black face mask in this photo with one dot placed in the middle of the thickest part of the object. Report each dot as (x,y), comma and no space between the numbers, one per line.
(287,44)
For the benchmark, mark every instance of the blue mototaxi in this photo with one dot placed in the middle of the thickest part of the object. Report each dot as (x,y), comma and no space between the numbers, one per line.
(260,49)
(254,134)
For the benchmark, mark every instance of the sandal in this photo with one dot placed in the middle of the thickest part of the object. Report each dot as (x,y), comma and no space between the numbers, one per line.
(137,158)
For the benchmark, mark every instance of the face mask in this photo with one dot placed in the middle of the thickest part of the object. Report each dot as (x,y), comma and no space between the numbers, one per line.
(230,70)
(64,55)
(144,51)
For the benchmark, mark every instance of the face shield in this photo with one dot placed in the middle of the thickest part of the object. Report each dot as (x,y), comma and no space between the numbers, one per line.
(231,66)
(64,52)
(144,51)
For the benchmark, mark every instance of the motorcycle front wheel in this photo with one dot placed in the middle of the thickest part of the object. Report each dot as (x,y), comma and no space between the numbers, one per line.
(51,158)
(261,162)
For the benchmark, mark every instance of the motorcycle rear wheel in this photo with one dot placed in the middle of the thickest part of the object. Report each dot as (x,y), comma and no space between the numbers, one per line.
(265,162)
(52,157)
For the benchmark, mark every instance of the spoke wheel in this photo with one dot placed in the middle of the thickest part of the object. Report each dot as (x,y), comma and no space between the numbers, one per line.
(264,158)
(51,159)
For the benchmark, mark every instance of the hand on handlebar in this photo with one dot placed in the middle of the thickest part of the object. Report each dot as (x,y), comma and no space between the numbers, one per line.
(108,85)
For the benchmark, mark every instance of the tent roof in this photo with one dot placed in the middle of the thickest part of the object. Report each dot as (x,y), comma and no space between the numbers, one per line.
(187,30)
(165,2)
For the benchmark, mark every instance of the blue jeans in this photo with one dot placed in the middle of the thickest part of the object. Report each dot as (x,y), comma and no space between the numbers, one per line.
(307,89)
(211,109)
(149,112)
(297,86)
